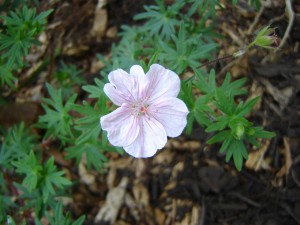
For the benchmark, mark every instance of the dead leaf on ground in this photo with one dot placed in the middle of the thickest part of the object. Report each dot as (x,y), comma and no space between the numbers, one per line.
(114,200)
(257,160)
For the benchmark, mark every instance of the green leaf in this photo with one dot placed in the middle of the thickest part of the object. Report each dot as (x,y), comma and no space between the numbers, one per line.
(57,119)
(95,91)
(220,124)
(161,19)
(201,83)
(93,152)
(226,144)
(18,142)
(89,125)
(233,88)
(52,177)
(260,133)
(186,94)
(29,166)
(190,121)
(238,160)
(239,152)
(60,219)
(221,136)
(185,52)
(6,76)
(21,28)
(244,109)
(224,103)
(203,113)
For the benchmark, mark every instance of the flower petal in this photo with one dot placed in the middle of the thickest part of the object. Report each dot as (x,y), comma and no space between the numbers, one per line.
(140,81)
(163,83)
(122,128)
(171,113)
(119,90)
(152,137)
(137,70)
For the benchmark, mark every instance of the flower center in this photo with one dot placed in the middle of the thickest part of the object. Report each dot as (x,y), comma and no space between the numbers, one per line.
(139,109)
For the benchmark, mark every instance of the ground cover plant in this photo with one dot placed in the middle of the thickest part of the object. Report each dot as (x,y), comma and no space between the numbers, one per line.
(159,82)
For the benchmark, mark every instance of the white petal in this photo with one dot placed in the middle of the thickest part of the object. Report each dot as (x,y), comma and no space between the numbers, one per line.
(140,81)
(136,70)
(152,137)
(171,113)
(119,90)
(163,83)
(122,128)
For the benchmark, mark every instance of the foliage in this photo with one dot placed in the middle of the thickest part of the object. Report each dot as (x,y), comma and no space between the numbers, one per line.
(217,110)
(57,119)
(186,52)
(67,77)
(176,35)
(17,144)
(40,177)
(19,32)
(161,19)
(59,219)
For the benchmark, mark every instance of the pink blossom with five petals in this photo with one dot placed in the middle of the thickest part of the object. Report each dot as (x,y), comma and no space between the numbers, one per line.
(148,112)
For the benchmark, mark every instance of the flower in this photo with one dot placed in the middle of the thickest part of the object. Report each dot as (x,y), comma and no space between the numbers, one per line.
(148,109)
(266,38)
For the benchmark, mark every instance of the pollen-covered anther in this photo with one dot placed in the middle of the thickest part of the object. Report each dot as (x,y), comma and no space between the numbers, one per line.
(143,109)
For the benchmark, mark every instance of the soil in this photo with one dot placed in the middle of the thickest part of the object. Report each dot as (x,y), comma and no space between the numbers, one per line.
(188,182)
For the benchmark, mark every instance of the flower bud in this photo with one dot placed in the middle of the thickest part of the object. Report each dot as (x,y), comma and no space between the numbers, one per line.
(266,38)
(239,131)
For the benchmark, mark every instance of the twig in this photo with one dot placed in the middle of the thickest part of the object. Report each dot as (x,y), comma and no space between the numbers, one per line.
(229,65)
(257,17)
(291,16)
(203,212)
(290,212)
(245,199)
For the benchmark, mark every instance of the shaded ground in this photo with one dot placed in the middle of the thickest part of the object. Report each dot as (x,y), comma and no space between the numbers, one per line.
(187,182)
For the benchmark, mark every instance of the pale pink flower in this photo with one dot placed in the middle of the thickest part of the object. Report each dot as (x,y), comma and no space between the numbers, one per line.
(148,109)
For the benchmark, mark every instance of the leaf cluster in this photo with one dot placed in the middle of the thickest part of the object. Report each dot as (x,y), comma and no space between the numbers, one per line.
(180,41)
(79,134)
(57,119)
(41,178)
(67,77)
(20,28)
(217,110)
(41,182)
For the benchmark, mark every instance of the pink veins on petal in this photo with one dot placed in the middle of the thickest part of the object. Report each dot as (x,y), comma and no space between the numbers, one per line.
(148,112)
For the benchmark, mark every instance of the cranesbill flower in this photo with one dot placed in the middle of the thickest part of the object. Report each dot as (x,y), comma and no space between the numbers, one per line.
(148,112)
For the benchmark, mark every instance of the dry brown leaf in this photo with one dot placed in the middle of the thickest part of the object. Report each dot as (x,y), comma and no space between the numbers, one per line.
(256,159)
(96,66)
(114,200)
(100,21)
(133,206)
(177,169)
(164,157)
(160,216)
(112,32)
(74,49)
(282,97)
(86,177)
(141,194)
(195,215)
